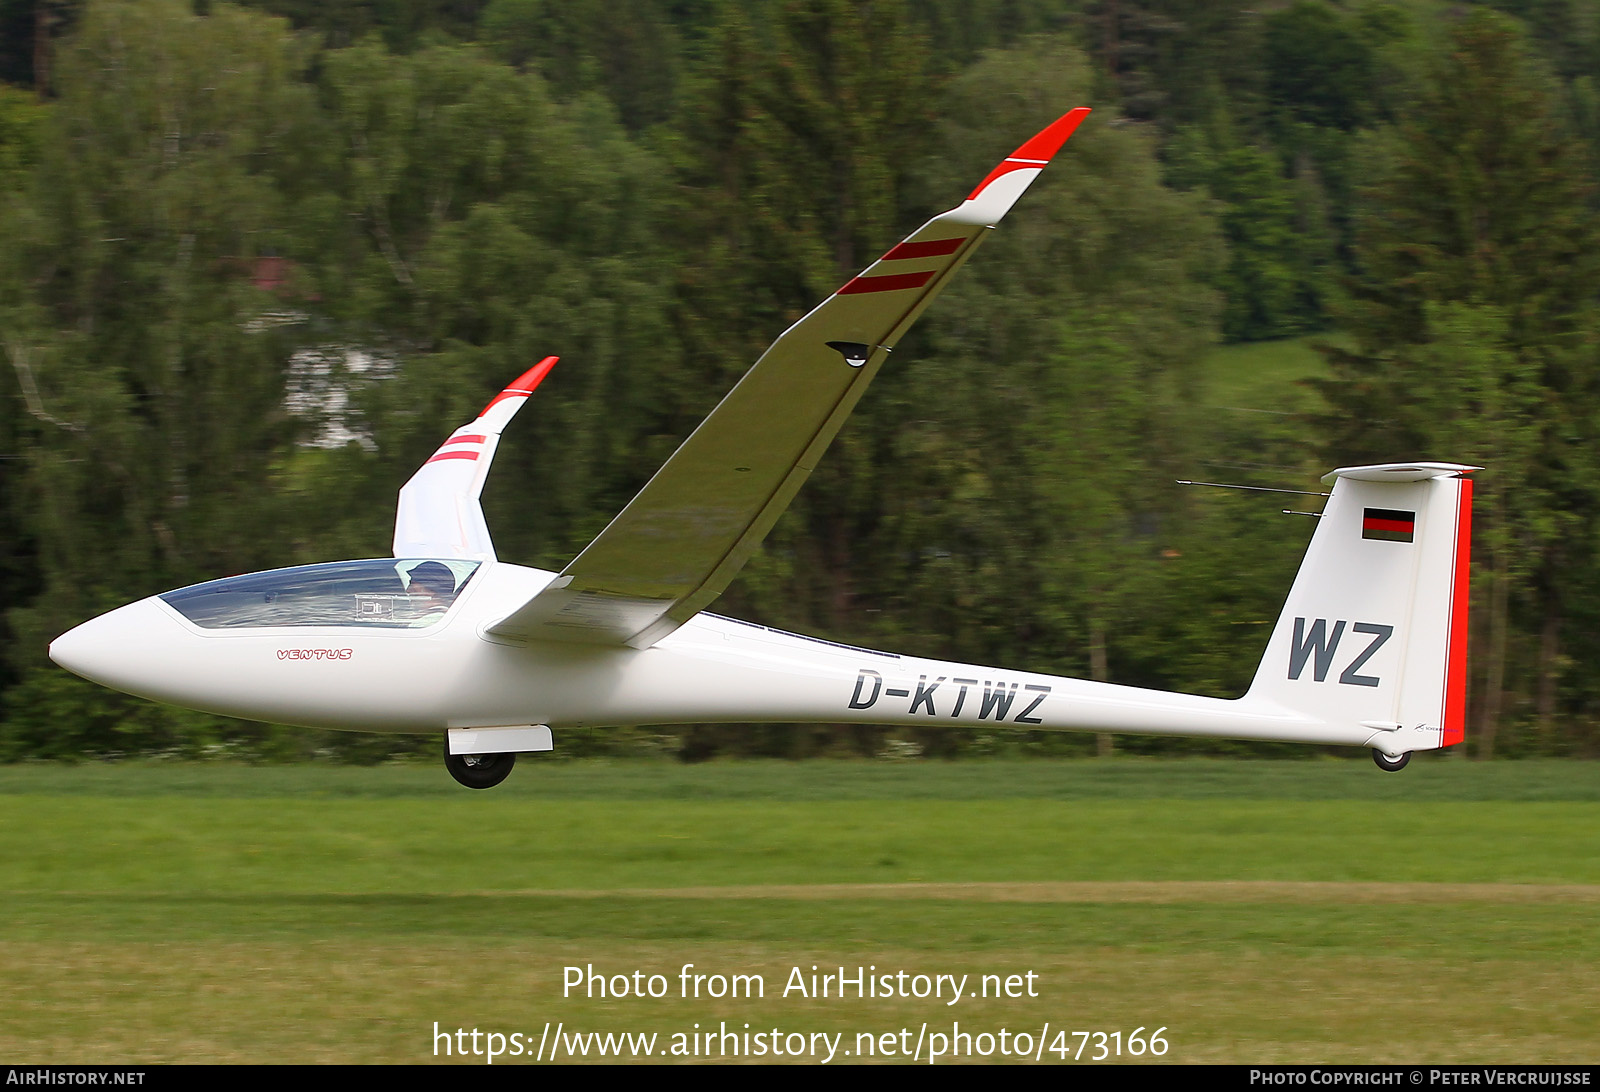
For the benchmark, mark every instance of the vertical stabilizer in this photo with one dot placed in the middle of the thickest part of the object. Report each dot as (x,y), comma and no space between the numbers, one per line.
(1374,632)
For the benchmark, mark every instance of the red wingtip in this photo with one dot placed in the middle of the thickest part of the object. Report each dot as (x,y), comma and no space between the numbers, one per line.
(1039,149)
(1048,141)
(524,383)
(534,375)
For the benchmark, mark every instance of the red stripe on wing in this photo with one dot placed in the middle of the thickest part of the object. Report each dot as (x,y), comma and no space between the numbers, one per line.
(930,249)
(443,455)
(891,283)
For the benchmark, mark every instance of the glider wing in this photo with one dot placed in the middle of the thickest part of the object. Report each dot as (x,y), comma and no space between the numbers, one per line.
(681,540)
(439,513)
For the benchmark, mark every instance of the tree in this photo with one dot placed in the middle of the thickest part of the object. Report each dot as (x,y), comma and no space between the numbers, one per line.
(146,355)
(21,125)
(1480,261)
(1176,61)
(1319,70)
(626,49)
(201,218)
(798,158)
(1276,281)
(474,226)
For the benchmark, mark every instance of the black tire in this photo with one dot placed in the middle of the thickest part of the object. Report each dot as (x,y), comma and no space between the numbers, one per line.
(479,771)
(1390,765)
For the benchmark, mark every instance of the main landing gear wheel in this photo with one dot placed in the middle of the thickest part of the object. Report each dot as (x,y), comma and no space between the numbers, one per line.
(1392,765)
(479,771)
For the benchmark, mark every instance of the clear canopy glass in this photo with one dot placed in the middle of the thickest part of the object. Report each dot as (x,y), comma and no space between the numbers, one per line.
(410,593)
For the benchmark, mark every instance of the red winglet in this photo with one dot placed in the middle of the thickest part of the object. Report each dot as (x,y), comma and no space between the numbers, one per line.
(1048,141)
(1039,149)
(525,383)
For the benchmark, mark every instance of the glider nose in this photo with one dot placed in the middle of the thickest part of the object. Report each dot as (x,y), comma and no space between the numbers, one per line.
(79,649)
(112,648)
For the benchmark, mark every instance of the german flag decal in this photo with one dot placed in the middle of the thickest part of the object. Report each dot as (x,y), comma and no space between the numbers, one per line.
(1388,524)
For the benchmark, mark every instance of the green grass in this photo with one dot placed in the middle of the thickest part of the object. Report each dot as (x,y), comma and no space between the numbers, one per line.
(1258,400)
(1480,930)
(1444,775)
(1267,376)
(1261,911)
(154,845)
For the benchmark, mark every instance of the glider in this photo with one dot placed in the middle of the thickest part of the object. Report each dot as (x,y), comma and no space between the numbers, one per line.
(1370,649)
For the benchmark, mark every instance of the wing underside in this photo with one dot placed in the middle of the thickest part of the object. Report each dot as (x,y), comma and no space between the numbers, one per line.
(681,540)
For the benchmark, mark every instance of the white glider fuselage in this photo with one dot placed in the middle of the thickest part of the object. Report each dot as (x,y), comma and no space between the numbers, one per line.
(455,674)
(1370,649)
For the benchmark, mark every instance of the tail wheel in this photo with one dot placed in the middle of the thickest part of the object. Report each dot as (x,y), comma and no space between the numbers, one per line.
(1392,765)
(479,771)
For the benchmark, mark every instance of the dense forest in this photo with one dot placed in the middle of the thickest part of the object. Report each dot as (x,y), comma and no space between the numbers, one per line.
(259,258)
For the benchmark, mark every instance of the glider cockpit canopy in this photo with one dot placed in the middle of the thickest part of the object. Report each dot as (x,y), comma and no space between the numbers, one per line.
(411,593)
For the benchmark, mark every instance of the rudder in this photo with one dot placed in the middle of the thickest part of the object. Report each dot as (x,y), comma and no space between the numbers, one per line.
(1374,631)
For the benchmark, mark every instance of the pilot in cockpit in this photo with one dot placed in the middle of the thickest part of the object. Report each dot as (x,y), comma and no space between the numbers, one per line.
(431,591)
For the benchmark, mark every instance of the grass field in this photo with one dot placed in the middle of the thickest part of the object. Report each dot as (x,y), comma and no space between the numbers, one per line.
(1259,911)
(1268,376)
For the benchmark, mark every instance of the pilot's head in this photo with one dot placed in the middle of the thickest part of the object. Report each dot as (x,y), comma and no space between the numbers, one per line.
(433,580)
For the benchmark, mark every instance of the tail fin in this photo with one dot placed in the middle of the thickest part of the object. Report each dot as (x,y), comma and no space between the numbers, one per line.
(1375,629)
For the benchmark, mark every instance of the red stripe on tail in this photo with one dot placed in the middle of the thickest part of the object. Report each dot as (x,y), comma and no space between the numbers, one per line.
(1455,686)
